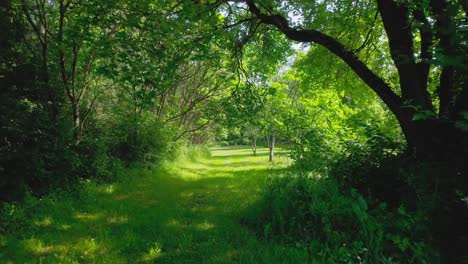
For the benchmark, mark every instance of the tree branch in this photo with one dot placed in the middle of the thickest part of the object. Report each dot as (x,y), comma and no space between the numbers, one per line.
(445,31)
(425,30)
(191,130)
(363,45)
(237,23)
(34,26)
(376,83)
(413,84)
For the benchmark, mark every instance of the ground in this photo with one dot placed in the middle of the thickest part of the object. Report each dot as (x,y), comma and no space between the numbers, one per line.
(183,211)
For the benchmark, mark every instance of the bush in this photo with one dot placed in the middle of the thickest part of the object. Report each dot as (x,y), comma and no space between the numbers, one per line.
(38,154)
(312,214)
(143,140)
(374,170)
(315,152)
(382,172)
(92,159)
(34,154)
(223,143)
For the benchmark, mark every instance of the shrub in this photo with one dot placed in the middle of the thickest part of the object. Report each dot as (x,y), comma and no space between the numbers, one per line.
(374,170)
(143,140)
(383,173)
(315,152)
(223,143)
(312,214)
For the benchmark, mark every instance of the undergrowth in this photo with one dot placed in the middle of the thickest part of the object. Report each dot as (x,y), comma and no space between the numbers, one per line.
(311,213)
(185,210)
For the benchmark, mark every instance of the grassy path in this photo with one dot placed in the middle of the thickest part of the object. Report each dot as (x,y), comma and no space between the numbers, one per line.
(181,212)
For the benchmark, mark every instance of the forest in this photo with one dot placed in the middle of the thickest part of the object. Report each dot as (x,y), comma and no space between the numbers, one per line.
(233,131)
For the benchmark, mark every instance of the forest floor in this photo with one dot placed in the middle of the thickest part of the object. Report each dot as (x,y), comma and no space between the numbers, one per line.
(185,211)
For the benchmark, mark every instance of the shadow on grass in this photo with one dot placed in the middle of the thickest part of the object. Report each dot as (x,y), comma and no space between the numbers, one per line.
(163,218)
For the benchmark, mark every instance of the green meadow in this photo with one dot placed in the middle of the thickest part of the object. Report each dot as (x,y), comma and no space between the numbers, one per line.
(183,211)
(338,131)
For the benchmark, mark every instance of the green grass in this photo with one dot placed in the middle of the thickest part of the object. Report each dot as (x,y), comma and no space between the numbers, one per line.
(184,211)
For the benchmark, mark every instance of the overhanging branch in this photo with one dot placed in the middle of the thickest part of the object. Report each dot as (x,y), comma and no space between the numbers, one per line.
(383,90)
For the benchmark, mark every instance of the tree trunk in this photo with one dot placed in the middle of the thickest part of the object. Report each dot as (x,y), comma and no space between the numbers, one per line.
(253,141)
(434,140)
(76,121)
(272,149)
(442,147)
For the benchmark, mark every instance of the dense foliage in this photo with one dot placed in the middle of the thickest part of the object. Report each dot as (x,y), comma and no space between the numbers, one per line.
(335,228)
(372,107)
(86,84)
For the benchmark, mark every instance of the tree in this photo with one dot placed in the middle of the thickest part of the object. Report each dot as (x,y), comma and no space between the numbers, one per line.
(252,132)
(429,134)
(427,47)
(70,35)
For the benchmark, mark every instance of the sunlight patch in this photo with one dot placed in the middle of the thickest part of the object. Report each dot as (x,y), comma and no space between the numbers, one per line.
(109,189)
(187,194)
(45,222)
(176,223)
(173,222)
(65,227)
(37,247)
(205,226)
(87,248)
(153,253)
(117,220)
(106,189)
(87,217)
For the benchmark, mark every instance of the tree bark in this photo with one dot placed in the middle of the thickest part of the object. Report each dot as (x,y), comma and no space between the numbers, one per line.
(253,141)
(272,149)
(267,141)
(76,121)
(413,76)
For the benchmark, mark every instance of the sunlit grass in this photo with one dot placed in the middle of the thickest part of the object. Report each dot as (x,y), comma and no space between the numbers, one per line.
(153,253)
(45,222)
(88,217)
(185,211)
(36,247)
